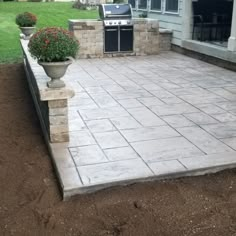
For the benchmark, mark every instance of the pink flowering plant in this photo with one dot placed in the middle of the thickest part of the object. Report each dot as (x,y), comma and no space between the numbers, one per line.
(26,19)
(53,44)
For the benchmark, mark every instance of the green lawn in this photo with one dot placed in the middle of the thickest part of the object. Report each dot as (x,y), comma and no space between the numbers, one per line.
(48,13)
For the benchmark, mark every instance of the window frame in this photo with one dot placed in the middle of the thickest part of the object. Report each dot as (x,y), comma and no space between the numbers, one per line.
(162,11)
(171,12)
(142,9)
(135,7)
(153,10)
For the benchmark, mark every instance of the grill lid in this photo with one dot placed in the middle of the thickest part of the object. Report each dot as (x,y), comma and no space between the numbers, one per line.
(118,11)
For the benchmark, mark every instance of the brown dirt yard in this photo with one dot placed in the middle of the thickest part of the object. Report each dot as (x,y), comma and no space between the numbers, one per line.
(31,204)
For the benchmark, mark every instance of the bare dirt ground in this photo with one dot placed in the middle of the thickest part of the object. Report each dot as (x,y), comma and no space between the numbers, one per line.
(31,204)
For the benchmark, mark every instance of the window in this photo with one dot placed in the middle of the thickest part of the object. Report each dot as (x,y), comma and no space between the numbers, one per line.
(142,4)
(160,6)
(172,6)
(132,3)
(156,5)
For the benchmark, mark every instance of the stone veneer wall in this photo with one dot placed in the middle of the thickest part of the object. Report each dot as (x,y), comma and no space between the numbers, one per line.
(146,36)
(51,104)
(165,39)
(90,33)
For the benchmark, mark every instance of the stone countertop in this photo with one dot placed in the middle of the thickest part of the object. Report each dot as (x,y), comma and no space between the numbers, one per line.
(165,31)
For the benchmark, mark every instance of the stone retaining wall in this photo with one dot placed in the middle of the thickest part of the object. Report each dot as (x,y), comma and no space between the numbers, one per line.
(147,40)
(51,104)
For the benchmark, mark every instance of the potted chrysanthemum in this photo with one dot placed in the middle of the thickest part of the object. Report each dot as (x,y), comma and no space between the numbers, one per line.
(26,22)
(54,49)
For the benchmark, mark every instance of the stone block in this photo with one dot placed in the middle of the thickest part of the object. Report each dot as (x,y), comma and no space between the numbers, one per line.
(59,137)
(98,52)
(57,103)
(47,94)
(58,111)
(155,25)
(58,120)
(57,129)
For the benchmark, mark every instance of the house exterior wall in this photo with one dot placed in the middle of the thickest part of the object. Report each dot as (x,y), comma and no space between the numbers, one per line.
(181,26)
(172,21)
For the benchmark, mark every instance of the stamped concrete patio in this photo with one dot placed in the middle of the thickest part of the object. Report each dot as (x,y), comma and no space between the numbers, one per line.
(143,118)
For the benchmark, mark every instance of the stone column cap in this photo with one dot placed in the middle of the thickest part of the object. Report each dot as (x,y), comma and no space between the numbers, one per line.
(165,31)
(47,94)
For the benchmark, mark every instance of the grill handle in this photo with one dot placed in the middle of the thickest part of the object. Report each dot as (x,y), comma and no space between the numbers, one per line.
(111,29)
(126,29)
(115,16)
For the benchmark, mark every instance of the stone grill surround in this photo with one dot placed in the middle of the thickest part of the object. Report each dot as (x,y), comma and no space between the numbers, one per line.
(90,35)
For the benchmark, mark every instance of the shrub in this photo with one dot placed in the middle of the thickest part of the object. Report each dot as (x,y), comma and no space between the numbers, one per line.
(53,44)
(34,0)
(79,5)
(84,6)
(118,1)
(143,15)
(26,19)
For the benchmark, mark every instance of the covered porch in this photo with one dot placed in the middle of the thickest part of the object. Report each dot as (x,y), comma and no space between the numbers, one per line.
(209,27)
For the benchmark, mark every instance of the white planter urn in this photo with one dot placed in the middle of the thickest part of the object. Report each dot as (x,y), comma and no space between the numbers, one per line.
(55,71)
(27,31)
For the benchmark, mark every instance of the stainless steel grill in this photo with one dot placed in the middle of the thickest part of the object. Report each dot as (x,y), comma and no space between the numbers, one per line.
(116,14)
(118,27)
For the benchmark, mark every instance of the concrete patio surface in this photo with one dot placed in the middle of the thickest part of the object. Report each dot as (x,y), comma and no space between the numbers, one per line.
(144,118)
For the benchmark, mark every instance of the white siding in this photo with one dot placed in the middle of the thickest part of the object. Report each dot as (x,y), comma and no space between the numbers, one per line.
(169,21)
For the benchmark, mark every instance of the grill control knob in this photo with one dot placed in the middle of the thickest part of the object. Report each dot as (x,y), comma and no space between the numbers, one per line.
(119,22)
(110,22)
(128,22)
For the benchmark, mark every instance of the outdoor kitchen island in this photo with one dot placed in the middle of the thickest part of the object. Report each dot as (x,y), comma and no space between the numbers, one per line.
(116,33)
(90,33)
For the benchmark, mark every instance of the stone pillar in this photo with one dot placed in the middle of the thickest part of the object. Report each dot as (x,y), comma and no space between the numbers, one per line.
(165,37)
(54,113)
(232,39)
(51,104)
(58,121)
(90,35)
(146,36)
(187,18)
